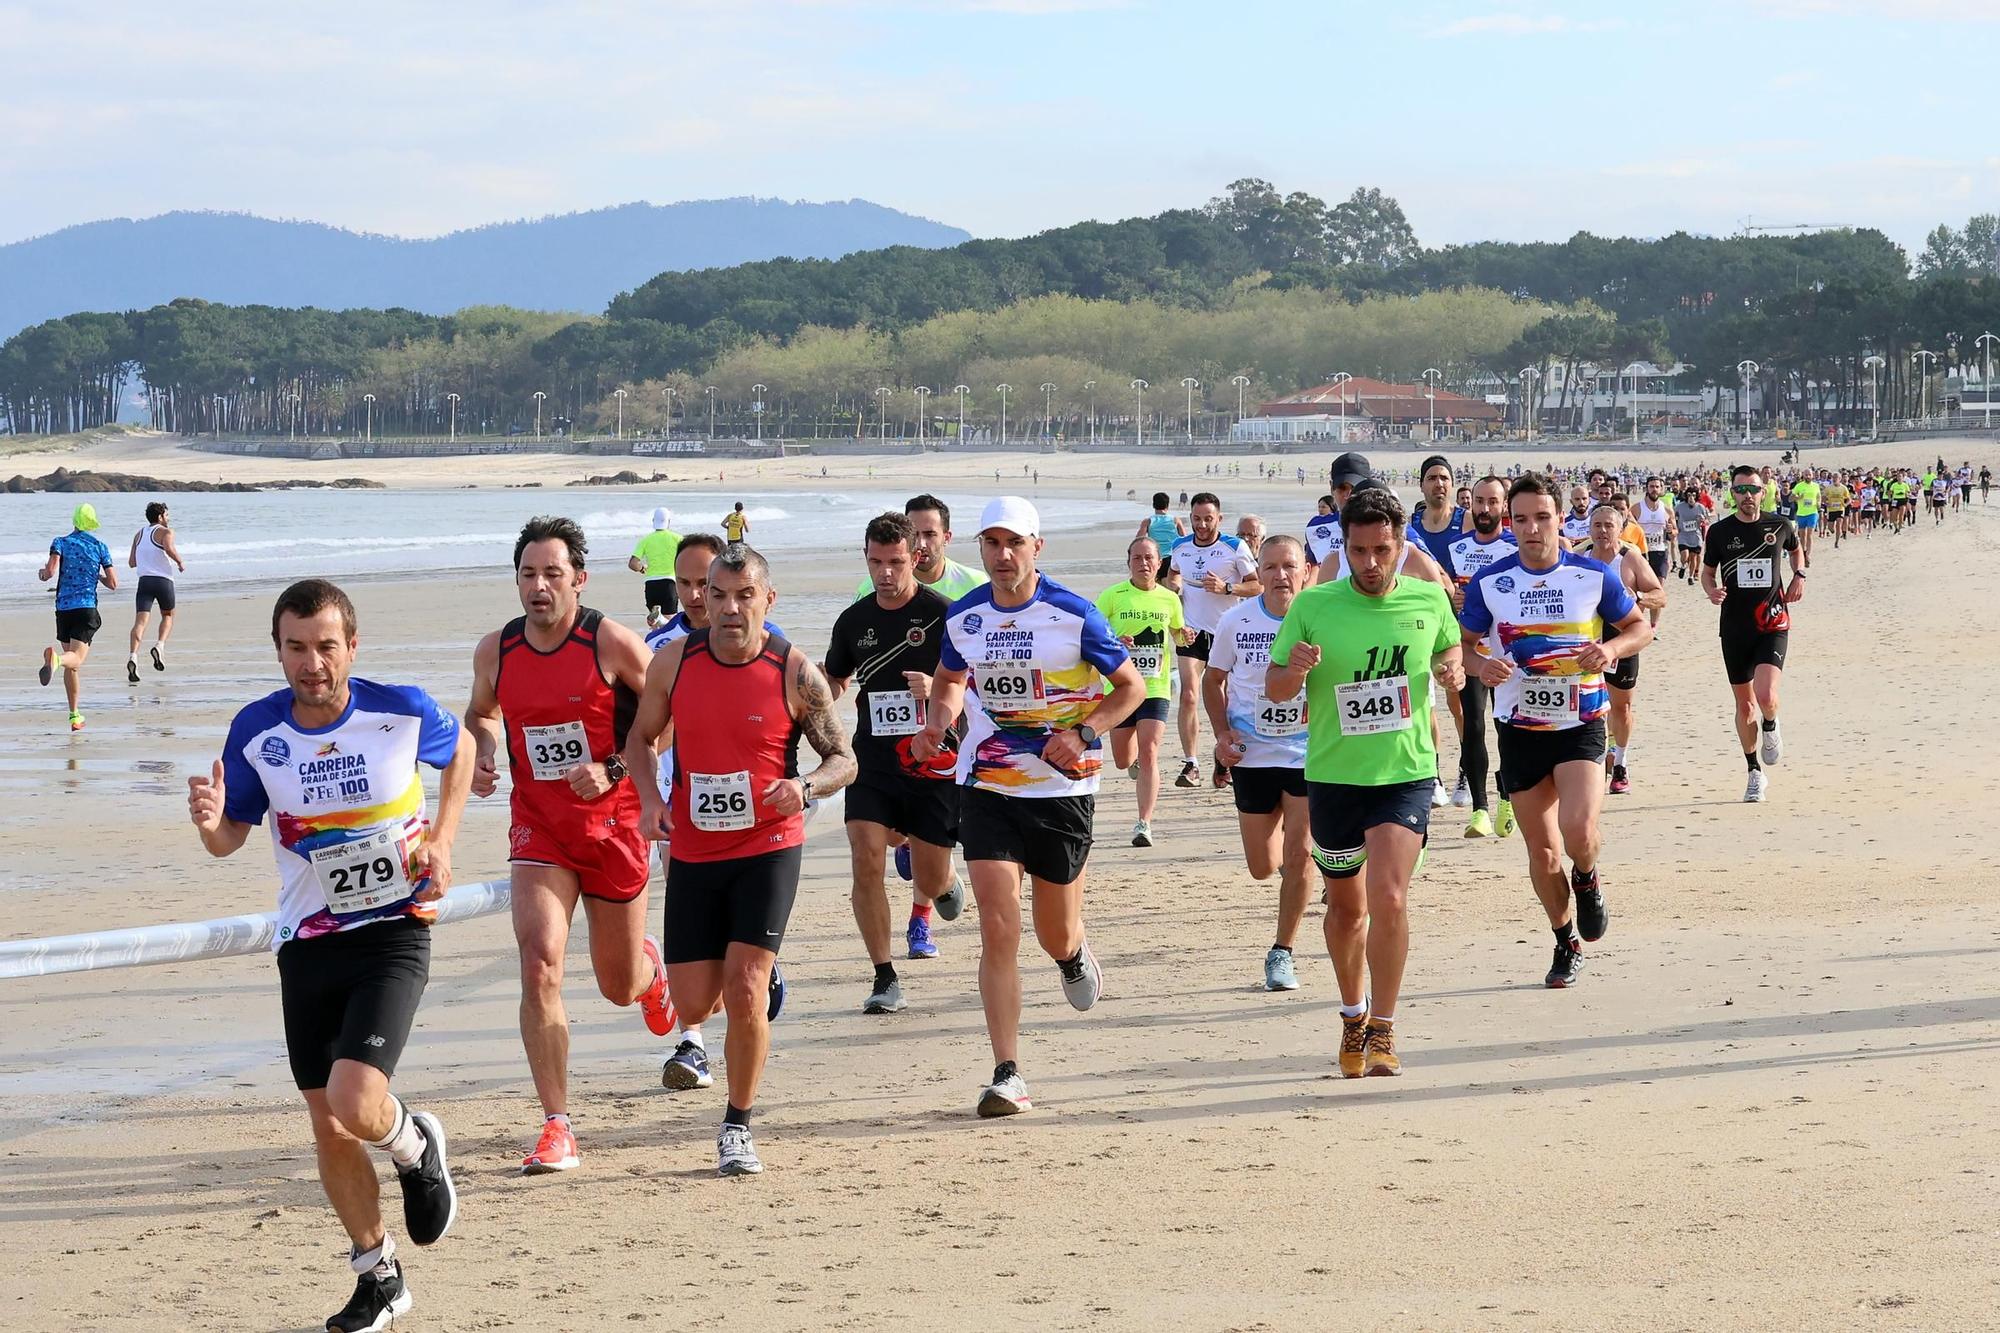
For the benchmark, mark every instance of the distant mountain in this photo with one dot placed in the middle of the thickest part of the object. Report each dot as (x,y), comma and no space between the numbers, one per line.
(577,261)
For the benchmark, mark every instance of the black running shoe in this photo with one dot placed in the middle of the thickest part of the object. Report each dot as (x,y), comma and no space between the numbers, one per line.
(1566,968)
(430,1200)
(1592,918)
(376,1302)
(131,671)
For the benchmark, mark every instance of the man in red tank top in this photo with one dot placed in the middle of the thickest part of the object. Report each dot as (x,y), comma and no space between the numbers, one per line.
(561,683)
(738,697)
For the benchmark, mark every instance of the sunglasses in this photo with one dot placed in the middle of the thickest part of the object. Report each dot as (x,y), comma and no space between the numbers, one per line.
(1746,490)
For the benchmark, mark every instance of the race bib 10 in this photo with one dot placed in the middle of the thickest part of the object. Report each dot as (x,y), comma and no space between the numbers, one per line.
(1754,573)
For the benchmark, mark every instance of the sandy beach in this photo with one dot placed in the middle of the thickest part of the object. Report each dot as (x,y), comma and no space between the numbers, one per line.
(1765,1107)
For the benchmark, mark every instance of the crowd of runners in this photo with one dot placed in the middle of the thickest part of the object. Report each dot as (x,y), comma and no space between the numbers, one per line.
(1326,666)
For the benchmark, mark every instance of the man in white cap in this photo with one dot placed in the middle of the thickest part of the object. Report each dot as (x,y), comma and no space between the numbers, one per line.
(83,561)
(1036,658)
(654,557)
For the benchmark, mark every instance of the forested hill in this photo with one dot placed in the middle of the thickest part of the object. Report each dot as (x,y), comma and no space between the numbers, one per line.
(577,261)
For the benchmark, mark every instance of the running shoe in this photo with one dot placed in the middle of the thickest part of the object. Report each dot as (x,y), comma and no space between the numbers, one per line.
(917,936)
(159,662)
(654,1003)
(1279,974)
(1461,795)
(375,1304)
(1754,793)
(1132,770)
(48,671)
(1379,1059)
(886,998)
(952,901)
(1503,818)
(132,670)
(430,1200)
(1142,834)
(777,1002)
(1082,980)
(1007,1094)
(1480,825)
(1190,776)
(733,1153)
(1440,796)
(1620,783)
(1566,968)
(1774,747)
(1592,918)
(554,1151)
(903,871)
(1353,1045)
(76,721)
(686,1069)
(1222,778)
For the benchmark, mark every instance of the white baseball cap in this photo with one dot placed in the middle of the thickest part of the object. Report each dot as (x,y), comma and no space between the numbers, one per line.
(660,518)
(1014,514)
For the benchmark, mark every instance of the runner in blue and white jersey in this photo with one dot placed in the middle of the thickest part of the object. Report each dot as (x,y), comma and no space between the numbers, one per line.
(1211,572)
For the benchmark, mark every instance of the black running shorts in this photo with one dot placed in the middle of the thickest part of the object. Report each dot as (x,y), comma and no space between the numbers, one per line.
(921,808)
(1198,648)
(664,594)
(1528,756)
(352,995)
(1624,676)
(1047,836)
(156,589)
(1149,710)
(1260,791)
(1744,650)
(1342,815)
(714,904)
(1658,560)
(78,626)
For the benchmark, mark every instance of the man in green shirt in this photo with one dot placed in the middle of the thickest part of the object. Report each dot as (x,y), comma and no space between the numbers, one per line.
(1805,512)
(1364,649)
(654,557)
(1147,619)
(931,517)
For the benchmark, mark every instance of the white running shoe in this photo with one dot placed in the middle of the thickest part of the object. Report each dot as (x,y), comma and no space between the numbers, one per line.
(1082,981)
(1461,795)
(1755,791)
(1774,746)
(1007,1094)
(1142,834)
(1440,795)
(734,1155)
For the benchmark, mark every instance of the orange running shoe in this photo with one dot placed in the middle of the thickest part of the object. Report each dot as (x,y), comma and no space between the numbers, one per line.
(554,1151)
(654,1002)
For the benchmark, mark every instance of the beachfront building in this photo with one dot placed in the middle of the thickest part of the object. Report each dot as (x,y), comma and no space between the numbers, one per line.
(1359,409)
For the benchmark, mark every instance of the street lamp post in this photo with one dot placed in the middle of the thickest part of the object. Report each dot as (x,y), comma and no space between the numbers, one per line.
(1746,369)
(453,399)
(709,393)
(619,394)
(1090,387)
(923,393)
(757,408)
(1634,368)
(1339,381)
(539,395)
(1241,382)
(368,431)
(1875,364)
(667,429)
(882,392)
(1003,390)
(1924,359)
(1190,383)
(1139,417)
(1530,375)
(961,390)
(1984,342)
(1048,409)
(1431,376)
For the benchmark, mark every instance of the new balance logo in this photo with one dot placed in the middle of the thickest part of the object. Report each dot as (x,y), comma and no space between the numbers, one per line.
(376,1041)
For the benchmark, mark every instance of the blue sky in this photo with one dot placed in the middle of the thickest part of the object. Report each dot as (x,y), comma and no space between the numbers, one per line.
(1511,120)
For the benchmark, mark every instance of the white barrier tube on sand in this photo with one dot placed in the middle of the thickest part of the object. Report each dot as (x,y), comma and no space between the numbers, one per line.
(229,936)
(224,937)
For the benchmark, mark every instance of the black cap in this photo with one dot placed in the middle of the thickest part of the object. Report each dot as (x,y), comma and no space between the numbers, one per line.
(1350,468)
(1435,460)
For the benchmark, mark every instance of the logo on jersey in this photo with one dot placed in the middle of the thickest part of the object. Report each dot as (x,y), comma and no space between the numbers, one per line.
(915,638)
(1505,583)
(971,623)
(867,640)
(330,747)
(275,752)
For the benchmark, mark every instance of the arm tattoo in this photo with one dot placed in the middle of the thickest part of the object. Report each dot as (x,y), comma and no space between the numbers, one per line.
(822,730)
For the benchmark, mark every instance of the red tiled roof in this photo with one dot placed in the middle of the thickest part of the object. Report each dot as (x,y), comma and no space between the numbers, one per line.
(1379,399)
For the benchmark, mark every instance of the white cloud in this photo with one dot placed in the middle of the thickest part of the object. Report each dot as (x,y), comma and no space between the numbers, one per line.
(1523,25)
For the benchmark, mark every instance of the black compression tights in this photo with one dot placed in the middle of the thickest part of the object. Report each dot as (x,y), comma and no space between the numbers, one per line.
(1472,760)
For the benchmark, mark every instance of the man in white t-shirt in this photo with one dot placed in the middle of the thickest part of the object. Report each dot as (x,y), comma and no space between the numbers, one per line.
(1212,572)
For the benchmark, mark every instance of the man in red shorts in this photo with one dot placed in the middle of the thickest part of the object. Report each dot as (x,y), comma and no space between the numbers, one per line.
(566,681)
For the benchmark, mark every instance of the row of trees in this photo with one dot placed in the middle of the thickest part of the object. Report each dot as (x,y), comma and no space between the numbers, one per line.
(1283,289)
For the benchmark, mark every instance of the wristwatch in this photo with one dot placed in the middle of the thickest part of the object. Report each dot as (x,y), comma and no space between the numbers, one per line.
(614,769)
(1088,732)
